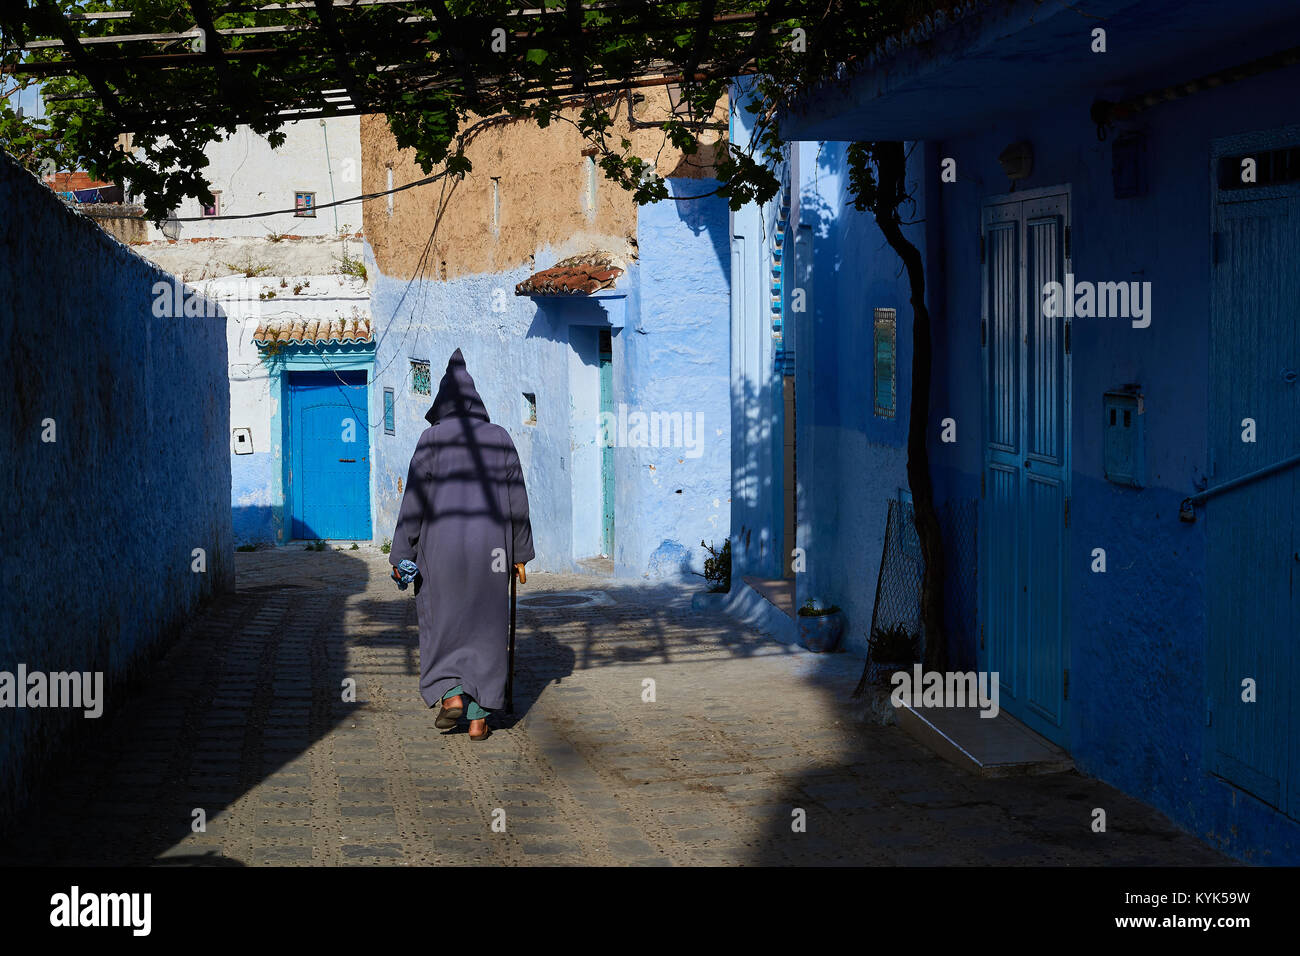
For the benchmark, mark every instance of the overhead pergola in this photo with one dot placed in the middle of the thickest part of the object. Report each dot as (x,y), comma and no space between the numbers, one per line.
(178,75)
(314,58)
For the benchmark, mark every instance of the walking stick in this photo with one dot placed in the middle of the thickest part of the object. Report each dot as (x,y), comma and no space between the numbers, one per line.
(510,661)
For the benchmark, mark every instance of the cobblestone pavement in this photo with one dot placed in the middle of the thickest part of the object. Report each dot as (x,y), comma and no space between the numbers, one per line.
(245,720)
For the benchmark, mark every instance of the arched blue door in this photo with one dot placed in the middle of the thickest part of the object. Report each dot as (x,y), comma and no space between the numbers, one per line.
(329,455)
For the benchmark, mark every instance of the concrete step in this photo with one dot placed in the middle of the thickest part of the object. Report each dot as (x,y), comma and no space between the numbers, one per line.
(779,592)
(998,746)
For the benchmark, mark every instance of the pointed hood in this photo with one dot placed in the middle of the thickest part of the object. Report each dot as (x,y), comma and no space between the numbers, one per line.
(457,397)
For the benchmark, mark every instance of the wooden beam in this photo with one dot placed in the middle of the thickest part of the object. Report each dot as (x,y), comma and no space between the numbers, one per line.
(83,59)
(338,47)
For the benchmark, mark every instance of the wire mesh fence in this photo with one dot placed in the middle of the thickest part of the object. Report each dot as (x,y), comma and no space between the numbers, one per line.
(902,567)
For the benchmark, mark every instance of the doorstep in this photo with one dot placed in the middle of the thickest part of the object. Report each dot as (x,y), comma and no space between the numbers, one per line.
(778,592)
(998,746)
(754,608)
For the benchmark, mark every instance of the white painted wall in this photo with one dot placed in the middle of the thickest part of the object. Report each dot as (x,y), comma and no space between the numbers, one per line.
(320,156)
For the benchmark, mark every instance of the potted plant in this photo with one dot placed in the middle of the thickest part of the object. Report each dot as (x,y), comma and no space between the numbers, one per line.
(717,574)
(717,567)
(891,649)
(820,627)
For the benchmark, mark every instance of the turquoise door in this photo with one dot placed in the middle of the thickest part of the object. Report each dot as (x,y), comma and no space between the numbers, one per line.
(1253,548)
(607,451)
(1025,485)
(329,455)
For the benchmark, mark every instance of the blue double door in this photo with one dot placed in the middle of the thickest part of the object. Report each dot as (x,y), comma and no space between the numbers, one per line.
(1025,485)
(1253,527)
(329,455)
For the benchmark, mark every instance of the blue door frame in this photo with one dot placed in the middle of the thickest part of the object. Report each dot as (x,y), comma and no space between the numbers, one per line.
(329,454)
(1025,486)
(607,450)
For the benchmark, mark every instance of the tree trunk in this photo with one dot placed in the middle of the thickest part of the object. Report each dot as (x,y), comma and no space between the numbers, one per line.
(891,170)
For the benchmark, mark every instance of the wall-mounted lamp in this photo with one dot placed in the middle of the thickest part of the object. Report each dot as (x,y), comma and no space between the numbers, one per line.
(678,107)
(1017,160)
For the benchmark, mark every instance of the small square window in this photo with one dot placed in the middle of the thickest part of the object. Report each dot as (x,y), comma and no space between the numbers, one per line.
(305,204)
(884,362)
(530,408)
(420,378)
(208,211)
(390,416)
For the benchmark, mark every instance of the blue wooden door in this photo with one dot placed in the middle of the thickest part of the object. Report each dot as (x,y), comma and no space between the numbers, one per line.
(1253,559)
(329,455)
(607,450)
(1025,485)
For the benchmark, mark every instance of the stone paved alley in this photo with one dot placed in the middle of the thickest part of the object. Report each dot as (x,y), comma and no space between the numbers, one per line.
(244,719)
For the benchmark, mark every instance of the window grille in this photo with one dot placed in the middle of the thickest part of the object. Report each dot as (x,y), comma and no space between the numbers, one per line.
(420,383)
(885,374)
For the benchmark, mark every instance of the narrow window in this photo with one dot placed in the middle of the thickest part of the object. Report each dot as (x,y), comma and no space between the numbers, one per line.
(305,205)
(886,385)
(390,416)
(215,208)
(530,408)
(390,190)
(496,204)
(420,377)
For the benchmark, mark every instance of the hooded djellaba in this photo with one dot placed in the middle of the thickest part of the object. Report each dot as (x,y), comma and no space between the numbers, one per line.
(464,522)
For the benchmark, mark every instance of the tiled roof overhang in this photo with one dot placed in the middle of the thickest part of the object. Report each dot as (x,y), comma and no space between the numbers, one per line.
(344,331)
(580,275)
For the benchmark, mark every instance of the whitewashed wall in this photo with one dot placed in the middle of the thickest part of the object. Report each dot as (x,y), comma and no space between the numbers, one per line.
(320,156)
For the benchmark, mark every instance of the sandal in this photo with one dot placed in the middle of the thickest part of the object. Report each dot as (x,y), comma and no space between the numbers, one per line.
(487,732)
(448,716)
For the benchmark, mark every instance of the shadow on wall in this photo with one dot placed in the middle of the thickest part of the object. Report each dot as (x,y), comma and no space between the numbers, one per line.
(253,524)
(701,214)
(116,517)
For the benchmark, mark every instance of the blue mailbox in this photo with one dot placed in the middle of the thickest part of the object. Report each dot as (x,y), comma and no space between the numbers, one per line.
(1123,440)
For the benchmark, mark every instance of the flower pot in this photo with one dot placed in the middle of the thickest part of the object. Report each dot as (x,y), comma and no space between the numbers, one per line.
(821,632)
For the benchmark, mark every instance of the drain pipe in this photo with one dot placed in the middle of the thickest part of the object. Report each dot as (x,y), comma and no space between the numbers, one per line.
(329,168)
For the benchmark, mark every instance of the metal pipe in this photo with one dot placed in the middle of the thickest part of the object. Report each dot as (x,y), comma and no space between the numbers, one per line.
(1187,510)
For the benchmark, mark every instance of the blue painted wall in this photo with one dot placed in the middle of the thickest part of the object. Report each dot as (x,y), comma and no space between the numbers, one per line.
(675,360)
(139,474)
(252,511)
(668,318)
(757,415)
(851,461)
(1138,633)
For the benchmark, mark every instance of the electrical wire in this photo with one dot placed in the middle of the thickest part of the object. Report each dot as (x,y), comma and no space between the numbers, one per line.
(364,197)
